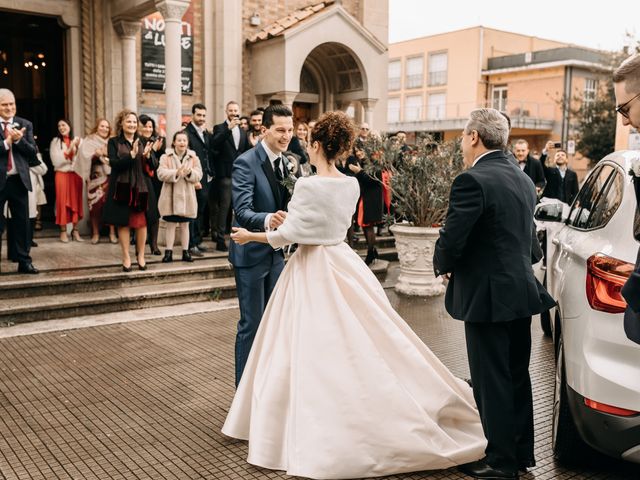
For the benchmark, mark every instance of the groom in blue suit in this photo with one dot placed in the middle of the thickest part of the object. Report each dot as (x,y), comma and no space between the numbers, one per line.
(259,202)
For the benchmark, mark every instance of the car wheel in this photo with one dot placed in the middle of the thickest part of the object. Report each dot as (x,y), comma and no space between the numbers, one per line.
(545,323)
(566,442)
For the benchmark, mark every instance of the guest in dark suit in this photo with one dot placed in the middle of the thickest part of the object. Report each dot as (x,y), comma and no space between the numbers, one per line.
(17,154)
(529,165)
(259,203)
(228,142)
(200,142)
(562,182)
(485,250)
(626,84)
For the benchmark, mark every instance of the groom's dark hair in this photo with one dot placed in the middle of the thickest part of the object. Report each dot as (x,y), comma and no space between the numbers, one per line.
(275,111)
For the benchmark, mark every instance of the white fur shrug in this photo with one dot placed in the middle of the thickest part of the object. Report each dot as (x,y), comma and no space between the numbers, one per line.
(319,212)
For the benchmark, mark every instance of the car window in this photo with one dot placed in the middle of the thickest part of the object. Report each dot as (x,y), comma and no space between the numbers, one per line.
(598,199)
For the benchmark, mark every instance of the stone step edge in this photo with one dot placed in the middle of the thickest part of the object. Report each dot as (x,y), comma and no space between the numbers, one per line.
(126,294)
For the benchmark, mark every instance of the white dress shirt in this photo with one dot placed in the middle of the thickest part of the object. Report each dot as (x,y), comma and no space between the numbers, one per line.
(13,170)
(484,154)
(235,131)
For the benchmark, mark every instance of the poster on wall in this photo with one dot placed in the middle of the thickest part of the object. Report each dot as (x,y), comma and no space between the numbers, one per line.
(153,41)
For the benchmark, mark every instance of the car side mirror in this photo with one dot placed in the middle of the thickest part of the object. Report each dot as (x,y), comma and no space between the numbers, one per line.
(549,212)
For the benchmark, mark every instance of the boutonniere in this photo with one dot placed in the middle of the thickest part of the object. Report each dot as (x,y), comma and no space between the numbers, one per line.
(634,171)
(14,125)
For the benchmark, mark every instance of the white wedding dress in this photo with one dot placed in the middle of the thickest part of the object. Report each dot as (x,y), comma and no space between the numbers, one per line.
(337,385)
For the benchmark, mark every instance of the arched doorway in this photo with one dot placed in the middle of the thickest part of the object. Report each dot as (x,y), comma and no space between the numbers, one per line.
(331,78)
(32,65)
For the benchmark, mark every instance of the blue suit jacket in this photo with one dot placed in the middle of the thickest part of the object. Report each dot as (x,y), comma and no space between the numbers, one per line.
(254,194)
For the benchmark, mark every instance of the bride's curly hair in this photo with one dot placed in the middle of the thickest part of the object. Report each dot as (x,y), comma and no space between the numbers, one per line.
(335,131)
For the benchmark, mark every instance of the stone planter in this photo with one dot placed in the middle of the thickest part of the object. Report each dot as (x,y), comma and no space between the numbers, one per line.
(415,247)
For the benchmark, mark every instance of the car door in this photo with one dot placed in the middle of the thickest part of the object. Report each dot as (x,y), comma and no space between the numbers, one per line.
(597,201)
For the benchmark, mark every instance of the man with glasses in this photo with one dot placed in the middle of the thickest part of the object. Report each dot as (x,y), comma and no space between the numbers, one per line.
(626,83)
(364,131)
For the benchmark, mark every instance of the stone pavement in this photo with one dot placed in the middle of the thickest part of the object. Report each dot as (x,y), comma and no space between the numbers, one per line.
(146,400)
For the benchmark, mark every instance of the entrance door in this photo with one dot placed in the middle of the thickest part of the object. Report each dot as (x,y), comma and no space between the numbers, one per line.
(32,65)
(301,112)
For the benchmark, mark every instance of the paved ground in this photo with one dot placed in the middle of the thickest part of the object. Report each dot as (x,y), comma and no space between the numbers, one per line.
(146,400)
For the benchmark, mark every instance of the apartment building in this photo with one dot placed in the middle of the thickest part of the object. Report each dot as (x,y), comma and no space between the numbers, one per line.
(435,81)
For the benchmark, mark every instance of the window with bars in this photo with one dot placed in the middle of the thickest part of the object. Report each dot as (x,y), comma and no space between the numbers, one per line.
(437,69)
(499,97)
(414,71)
(393,110)
(394,75)
(590,90)
(412,108)
(436,108)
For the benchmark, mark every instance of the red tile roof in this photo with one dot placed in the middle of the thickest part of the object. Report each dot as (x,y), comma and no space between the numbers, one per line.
(279,27)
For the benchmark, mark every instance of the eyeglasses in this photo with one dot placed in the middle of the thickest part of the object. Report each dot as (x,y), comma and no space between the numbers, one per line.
(364,128)
(624,108)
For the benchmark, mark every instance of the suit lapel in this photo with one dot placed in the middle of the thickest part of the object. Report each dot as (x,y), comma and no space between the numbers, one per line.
(196,134)
(271,176)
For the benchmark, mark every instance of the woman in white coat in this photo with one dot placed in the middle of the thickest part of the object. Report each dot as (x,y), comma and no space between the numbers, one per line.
(180,171)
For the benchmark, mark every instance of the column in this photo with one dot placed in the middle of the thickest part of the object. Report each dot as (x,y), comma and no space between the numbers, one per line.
(368,105)
(128,31)
(228,54)
(172,11)
(287,98)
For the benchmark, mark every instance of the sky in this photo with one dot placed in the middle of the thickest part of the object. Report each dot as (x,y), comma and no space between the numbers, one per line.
(593,24)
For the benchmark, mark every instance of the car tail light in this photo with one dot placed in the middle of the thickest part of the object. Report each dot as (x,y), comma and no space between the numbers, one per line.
(603,407)
(605,278)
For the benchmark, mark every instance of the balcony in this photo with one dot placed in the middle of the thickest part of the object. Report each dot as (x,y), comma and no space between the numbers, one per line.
(454,116)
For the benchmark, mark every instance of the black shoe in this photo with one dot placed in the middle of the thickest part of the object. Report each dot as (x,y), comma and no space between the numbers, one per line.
(27,268)
(156,251)
(221,246)
(186,256)
(142,267)
(372,254)
(33,243)
(126,269)
(195,251)
(483,471)
(525,465)
(168,256)
(202,248)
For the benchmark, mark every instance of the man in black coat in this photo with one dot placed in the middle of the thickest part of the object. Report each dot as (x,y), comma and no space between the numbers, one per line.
(200,142)
(228,142)
(626,83)
(485,250)
(529,165)
(17,154)
(562,182)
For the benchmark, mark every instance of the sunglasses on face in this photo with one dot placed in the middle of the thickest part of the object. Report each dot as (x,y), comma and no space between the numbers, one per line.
(625,107)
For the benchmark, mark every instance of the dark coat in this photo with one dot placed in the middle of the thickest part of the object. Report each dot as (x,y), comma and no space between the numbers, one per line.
(564,189)
(533,168)
(486,245)
(23,153)
(203,150)
(116,213)
(371,196)
(225,151)
(631,290)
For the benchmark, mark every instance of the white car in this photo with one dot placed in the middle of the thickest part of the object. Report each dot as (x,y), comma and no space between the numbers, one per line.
(590,254)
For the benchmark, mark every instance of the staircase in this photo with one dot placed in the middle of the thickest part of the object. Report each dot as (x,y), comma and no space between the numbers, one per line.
(83,279)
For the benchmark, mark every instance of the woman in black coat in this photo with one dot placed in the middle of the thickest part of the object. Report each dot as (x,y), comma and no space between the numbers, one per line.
(371,204)
(131,201)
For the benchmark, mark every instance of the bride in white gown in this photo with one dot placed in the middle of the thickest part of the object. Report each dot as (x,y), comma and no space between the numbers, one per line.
(337,385)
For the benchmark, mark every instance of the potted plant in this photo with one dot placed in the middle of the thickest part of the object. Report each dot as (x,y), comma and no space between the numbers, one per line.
(420,182)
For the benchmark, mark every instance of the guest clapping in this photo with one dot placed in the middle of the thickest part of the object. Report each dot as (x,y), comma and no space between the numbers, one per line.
(180,171)
(148,133)
(64,151)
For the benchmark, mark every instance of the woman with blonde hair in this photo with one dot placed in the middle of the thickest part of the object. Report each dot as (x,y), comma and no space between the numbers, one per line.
(127,204)
(180,171)
(64,152)
(93,167)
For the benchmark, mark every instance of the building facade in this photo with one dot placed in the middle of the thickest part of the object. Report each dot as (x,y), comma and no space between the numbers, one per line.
(87,59)
(435,81)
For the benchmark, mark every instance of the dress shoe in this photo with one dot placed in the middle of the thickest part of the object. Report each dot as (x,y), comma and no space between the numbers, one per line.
(186,256)
(202,248)
(76,236)
(64,238)
(142,267)
(168,256)
(221,246)
(27,268)
(525,465)
(113,239)
(126,269)
(33,243)
(156,251)
(95,240)
(483,471)
(195,251)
